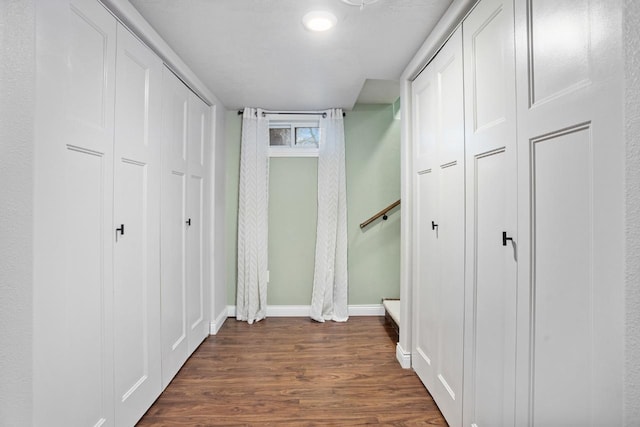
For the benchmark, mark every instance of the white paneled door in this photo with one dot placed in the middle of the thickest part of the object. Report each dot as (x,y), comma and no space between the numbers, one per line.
(425,298)
(571,236)
(118,206)
(199,135)
(137,228)
(175,105)
(187,131)
(73,310)
(439,222)
(491,226)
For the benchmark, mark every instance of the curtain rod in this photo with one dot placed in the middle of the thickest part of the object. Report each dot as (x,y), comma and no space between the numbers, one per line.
(295,113)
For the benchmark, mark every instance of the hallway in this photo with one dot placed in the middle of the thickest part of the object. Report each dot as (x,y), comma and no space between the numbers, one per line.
(293,371)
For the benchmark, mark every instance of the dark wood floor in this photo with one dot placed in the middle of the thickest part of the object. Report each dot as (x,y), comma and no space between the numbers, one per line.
(296,372)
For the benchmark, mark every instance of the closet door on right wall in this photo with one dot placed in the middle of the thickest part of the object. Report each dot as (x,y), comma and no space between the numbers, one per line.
(437,354)
(491,263)
(570,215)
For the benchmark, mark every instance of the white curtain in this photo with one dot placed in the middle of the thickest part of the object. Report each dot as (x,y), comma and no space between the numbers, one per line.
(330,287)
(251,301)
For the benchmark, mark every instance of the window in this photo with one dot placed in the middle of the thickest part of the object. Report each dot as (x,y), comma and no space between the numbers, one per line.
(291,138)
(279,136)
(307,137)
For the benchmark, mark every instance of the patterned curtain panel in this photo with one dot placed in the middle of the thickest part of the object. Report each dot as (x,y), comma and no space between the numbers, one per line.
(330,287)
(251,303)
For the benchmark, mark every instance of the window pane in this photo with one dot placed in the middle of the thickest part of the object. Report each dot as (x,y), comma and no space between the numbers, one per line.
(307,137)
(280,137)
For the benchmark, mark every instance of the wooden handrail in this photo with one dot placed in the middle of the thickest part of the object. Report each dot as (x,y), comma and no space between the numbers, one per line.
(382,213)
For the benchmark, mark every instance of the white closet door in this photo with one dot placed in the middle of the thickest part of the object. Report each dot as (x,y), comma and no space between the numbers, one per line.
(199,136)
(491,202)
(175,105)
(571,199)
(439,284)
(137,208)
(426,290)
(424,91)
(426,271)
(73,338)
(447,389)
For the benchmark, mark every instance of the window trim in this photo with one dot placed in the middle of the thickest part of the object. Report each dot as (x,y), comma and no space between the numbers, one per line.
(293,152)
(293,122)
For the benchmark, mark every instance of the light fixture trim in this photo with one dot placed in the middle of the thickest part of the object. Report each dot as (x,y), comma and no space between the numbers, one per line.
(319,20)
(361,3)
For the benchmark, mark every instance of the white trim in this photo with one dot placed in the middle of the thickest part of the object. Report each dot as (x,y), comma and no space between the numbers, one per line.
(403,357)
(231,311)
(406,225)
(366,310)
(216,324)
(135,22)
(304,310)
(292,123)
(445,27)
(288,310)
(282,151)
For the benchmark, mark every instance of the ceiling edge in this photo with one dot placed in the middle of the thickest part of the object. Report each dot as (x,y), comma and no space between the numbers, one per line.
(126,13)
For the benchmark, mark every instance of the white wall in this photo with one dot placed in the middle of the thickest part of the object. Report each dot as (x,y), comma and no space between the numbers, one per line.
(17,95)
(632,132)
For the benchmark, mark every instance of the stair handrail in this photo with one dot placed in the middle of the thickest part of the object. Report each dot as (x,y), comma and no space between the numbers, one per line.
(382,213)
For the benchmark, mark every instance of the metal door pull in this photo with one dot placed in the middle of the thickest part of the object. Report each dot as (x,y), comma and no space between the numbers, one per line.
(505,238)
(120,230)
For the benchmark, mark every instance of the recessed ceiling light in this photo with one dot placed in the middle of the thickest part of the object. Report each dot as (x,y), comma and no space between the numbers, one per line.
(319,20)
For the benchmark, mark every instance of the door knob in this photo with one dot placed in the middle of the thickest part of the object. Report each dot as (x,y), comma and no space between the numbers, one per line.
(188,222)
(433,225)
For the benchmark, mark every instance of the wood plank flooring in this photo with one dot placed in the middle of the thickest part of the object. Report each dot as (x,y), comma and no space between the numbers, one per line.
(296,372)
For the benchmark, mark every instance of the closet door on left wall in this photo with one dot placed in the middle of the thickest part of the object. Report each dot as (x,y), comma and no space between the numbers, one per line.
(138,120)
(73,189)
(187,132)
(197,294)
(175,109)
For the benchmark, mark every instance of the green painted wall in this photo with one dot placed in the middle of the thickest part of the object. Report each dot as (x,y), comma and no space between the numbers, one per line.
(293,214)
(233,128)
(373,181)
(372,143)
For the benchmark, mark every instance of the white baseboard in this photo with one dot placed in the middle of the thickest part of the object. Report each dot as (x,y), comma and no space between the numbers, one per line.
(231,311)
(217,323)
(304,310)
(404,357)
(366,310)
(288,310)
(278,310)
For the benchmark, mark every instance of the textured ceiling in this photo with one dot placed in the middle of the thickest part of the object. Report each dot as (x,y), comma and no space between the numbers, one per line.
(257,53)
